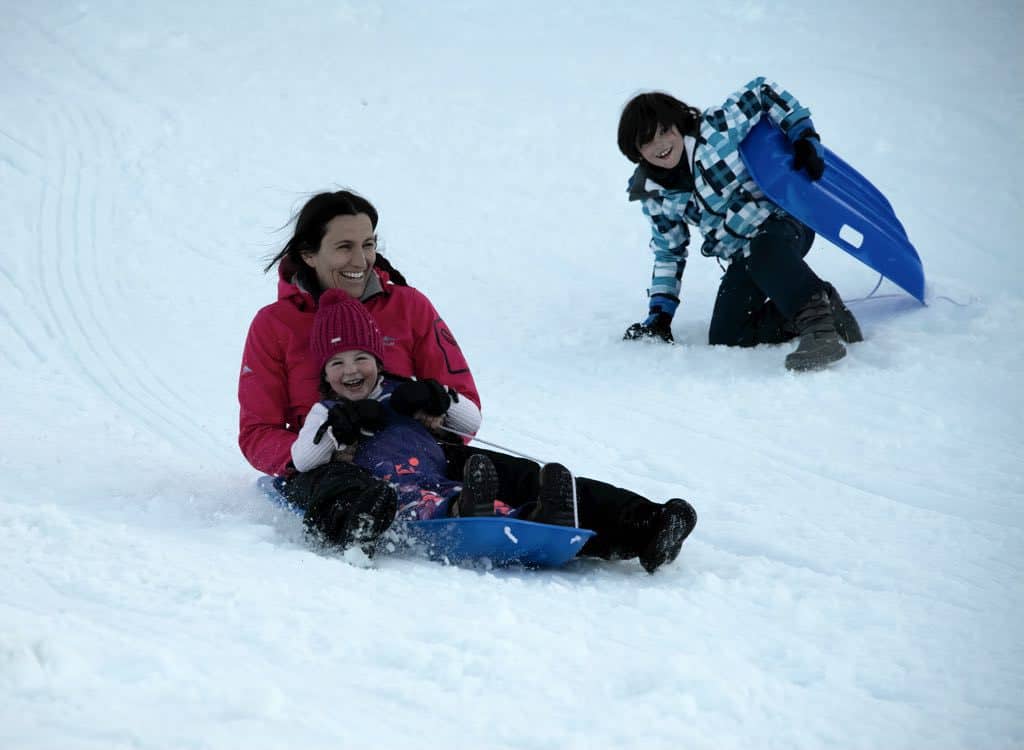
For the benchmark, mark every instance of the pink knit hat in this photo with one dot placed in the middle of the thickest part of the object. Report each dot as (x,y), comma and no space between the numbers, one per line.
(341,325)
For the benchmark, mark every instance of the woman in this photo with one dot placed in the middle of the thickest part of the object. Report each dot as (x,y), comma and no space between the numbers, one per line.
(690,173)
(334,246)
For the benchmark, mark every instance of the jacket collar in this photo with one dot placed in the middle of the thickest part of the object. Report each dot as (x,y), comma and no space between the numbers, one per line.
(644,185)
(289,287)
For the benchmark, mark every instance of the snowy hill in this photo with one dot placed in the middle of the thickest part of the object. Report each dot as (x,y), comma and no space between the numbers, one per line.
(856,577)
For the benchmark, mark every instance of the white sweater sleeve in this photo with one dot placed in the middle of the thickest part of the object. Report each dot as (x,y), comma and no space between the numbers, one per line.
(306,455)
(463,415)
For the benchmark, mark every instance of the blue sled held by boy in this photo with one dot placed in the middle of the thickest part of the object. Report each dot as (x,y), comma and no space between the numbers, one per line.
(842,206)
(502,540)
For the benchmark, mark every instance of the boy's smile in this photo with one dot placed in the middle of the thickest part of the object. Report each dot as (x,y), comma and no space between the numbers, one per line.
(665,149)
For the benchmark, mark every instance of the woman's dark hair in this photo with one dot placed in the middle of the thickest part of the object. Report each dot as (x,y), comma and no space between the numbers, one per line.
(310,228)
(644,113)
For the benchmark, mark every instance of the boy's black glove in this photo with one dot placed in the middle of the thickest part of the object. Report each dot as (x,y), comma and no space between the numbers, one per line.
(657,325)
(427,396)
(809,155)
(350,420)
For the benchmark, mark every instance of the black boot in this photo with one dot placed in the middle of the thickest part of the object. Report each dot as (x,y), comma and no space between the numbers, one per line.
(819,342)
(479,489)
(846,325)
(333,494)
(555,498)
(676,522)
(367,517)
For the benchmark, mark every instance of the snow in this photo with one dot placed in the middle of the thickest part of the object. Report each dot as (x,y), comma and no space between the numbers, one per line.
(855,580)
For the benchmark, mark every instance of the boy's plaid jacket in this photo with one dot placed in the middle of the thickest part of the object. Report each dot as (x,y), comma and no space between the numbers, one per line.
(725,204)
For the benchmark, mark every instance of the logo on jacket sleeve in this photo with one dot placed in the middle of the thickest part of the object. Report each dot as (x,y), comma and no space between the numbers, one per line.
(454,360)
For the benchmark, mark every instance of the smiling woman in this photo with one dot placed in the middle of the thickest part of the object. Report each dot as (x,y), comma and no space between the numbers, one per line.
(346,254)
(334,246)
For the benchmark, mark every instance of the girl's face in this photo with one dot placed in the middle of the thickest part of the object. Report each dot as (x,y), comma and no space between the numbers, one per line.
(665,149)
(353,374)
(345,258)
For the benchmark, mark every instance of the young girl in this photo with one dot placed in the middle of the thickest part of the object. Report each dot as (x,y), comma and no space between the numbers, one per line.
(690,173)
(386,425)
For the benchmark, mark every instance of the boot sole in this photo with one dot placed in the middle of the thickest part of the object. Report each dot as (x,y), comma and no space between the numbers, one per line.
(668,539)
(555,496)
(799,362)
(479,488)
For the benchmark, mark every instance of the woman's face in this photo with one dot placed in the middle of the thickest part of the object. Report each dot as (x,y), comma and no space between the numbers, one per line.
(353,374)
(665,149)
(345,258)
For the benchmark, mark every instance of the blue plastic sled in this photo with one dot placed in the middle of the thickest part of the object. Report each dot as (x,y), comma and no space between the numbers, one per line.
(843,206)
(503,541)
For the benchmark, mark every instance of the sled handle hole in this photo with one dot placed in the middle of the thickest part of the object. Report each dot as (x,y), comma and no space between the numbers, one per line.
(850,235)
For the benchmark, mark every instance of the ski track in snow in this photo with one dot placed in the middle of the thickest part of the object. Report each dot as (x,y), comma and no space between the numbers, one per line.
(73,268)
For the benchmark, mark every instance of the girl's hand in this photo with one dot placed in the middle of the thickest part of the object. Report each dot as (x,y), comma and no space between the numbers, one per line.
(345,455)
(430,421)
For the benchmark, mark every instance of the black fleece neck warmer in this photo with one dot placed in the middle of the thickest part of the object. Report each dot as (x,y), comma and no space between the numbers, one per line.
(676,178)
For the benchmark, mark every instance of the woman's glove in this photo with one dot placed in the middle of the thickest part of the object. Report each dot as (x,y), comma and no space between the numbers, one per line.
(427,396)
(350,420)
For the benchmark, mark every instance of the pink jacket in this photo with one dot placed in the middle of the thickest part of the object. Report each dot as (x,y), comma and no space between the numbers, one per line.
(279,382)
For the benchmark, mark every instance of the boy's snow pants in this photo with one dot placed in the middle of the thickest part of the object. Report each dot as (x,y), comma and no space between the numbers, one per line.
(760,294)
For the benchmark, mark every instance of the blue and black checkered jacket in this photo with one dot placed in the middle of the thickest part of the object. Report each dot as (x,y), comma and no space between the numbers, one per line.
(725,203)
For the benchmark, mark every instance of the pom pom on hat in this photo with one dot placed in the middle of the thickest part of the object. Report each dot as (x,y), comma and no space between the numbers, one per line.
(342,323)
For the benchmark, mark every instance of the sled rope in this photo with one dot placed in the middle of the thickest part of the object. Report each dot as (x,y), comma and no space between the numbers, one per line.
(493,445)
(871,295)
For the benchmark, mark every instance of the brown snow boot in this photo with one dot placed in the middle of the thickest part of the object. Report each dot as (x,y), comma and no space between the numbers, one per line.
(819,341)
(846,325)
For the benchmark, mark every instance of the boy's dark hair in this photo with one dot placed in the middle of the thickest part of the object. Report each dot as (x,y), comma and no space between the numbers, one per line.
(644,113)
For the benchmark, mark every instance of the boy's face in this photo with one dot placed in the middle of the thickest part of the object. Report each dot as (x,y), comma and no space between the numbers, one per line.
(352,374)
(665,149)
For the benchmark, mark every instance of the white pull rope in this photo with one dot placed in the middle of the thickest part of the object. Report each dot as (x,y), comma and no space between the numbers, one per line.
(493,445)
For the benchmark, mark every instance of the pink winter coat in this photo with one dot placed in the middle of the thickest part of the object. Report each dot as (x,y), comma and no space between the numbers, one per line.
(279,381)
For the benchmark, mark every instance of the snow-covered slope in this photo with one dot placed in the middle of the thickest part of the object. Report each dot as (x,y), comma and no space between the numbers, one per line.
(855,580)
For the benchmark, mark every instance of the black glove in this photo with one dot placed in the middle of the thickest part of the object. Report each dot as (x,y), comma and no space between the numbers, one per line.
(657,325)
(809,155)
(427,396)
(350,420)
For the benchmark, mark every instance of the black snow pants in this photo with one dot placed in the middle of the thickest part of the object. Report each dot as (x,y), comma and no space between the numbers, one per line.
(760,294)
(327,490)
(623,520)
